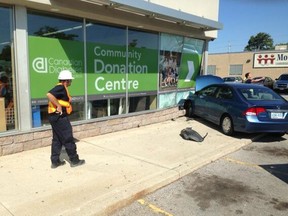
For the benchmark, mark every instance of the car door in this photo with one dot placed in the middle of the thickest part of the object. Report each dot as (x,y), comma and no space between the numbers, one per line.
(204,101)
(223,101)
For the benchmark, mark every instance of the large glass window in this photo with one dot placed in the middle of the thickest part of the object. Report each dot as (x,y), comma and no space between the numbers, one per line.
(211,69)
(142,70)
(191,60)
(180,64)
(7,79)
(106,68)
(62,47)
(236,70)
(170,57)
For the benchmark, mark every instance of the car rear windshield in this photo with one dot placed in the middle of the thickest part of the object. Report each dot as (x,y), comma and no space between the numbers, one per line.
(259,94)
(229,79)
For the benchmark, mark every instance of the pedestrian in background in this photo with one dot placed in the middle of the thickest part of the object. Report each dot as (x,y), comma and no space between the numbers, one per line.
(249,78)
(59,107)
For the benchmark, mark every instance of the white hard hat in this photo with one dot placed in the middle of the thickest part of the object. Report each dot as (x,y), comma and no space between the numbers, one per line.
(65,75)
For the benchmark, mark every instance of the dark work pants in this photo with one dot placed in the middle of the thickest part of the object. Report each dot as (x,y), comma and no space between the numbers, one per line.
(62,136)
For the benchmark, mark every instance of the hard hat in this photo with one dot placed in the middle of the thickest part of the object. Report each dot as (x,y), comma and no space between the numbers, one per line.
(65,75)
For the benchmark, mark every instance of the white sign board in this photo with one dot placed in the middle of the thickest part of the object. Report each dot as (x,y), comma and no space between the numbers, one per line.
(270,60)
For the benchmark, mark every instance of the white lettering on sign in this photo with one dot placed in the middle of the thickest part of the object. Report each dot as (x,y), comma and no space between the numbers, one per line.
(102,85)
(98,51)
(100,67)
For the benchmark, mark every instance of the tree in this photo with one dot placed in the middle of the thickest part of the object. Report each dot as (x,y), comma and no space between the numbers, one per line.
(262,41)
(53,32)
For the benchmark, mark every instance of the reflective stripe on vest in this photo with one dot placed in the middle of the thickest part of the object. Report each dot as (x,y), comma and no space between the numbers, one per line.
(52,108)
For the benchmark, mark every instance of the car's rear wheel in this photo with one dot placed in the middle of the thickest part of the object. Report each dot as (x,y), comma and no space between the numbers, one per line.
(227,125)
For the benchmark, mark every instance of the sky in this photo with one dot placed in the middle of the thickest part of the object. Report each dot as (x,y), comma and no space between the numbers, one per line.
(242,19)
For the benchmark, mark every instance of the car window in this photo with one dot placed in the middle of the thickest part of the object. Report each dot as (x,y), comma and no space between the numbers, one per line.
(250,94)
(284,77)
(259,94)
(229,79)
(224,93)
(239,79)
(208,91)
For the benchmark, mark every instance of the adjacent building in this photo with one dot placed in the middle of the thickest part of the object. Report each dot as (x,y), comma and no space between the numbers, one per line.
(261,63)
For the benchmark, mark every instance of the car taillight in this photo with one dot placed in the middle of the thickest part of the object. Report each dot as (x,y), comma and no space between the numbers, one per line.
(254,111)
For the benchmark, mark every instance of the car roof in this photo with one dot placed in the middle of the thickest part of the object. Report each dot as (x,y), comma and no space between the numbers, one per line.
(240,85)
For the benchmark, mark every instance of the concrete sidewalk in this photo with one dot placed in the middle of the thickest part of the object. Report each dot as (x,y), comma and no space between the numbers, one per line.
(120,167)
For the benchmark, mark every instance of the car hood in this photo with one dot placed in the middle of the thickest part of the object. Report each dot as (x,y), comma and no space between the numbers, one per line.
(282,81)
(205,80)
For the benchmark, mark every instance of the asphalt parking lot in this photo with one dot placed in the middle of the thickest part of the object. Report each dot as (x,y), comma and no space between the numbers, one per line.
(250,181)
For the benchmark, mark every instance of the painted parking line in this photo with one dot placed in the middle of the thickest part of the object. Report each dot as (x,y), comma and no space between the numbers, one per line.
(242,163)
(153,207)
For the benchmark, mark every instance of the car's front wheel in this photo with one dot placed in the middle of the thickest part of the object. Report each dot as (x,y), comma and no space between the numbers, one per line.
(188,109)
(227,125)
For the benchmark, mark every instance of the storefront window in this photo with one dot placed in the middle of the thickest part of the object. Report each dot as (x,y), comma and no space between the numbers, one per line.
(62,47)
(7,86)
(142,70)
(180,64)
(106,68)
(191,59)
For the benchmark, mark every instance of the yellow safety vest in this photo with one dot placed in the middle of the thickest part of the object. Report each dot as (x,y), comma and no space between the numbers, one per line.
(67,104)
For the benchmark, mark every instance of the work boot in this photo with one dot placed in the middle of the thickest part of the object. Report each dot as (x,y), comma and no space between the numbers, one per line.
(57,164)
(77,163)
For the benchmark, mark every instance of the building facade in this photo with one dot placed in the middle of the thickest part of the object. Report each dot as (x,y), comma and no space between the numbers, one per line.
(133,61)
(261,63)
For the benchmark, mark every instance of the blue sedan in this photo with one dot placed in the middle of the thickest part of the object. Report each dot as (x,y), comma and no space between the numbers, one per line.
(238,107)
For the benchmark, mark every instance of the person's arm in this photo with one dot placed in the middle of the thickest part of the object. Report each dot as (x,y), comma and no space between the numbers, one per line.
(54,100)
(258,80)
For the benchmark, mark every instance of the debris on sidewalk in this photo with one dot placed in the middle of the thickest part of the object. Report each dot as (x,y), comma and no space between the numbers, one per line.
(190,134)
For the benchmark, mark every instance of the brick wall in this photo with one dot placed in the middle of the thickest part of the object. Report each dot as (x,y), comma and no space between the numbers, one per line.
(31,140)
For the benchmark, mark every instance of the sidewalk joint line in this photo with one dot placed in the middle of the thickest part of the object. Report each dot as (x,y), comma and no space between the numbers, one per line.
(6,209)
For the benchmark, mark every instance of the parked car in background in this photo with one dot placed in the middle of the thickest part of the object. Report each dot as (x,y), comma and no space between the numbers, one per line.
(268,82)
(281,83)
(237,79)
(240,107)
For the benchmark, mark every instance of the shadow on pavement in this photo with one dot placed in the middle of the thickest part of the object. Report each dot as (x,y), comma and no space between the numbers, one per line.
(278,170)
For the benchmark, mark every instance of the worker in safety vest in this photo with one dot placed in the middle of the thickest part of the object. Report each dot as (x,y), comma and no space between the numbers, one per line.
(59,107)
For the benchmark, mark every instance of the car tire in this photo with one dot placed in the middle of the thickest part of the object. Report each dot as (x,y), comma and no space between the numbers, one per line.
(188,109)
(227,125)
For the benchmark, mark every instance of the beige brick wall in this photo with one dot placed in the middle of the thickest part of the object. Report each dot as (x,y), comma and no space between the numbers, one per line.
(12,144)
(224,60)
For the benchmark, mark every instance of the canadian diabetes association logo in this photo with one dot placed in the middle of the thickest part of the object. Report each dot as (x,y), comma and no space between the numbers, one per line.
(53,65)
(40,65)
